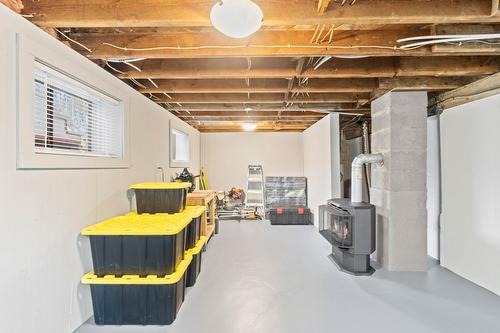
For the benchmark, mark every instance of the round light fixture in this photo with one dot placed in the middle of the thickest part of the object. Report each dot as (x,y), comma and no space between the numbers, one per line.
(236,18)
(249,126)
(248,109)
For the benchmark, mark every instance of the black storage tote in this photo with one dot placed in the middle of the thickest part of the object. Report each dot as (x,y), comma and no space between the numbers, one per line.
(194,268)
(194,232)
(135,244)
(163,197)
(134,300)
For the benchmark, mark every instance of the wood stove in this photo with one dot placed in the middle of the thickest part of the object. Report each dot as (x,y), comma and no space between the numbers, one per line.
(350,228)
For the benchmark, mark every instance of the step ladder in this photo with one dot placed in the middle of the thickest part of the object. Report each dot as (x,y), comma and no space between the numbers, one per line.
(255,188)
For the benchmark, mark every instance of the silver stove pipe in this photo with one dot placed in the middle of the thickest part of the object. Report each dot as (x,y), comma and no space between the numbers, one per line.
(357,173)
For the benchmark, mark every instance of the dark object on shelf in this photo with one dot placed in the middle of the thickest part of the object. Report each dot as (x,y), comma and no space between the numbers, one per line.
(134,300)
(187,177)
(290,216)
(350,228)
(194,268)
(138,244)
(152,198)
(286,192)
(193,231)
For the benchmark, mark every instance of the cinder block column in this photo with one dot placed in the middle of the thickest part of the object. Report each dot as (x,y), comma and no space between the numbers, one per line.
(399,132)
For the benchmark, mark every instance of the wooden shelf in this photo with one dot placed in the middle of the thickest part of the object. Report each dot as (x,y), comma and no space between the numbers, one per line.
(208,199)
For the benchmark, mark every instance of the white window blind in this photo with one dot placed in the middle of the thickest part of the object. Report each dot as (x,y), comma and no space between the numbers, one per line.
(73,118)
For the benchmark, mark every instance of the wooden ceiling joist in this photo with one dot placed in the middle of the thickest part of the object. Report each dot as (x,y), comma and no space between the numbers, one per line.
(192,13)
(217,114)
(253,119)
(264,86)
(336,68)
(273,86)
(263,98)
(337,107)
(264,43)
(424,83)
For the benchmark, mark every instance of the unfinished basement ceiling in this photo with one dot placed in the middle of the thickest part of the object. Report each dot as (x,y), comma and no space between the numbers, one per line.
(308,59)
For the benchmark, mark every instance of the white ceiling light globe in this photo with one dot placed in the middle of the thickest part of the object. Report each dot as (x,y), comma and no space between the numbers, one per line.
(236,18)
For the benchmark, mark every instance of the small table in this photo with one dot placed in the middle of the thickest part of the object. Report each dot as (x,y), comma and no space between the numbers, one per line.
(208,199)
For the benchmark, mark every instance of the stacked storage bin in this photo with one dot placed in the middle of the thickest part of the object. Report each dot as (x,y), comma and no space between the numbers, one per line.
(143,261)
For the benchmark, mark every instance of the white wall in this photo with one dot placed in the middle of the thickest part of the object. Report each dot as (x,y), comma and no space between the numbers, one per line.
(42,211)
(470,220)
(226,156)
(433,187)
(322,162)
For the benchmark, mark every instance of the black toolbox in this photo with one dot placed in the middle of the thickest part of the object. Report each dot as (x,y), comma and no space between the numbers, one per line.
(290,216)
(166,197)
(138,244)
(194,268)
(134,300)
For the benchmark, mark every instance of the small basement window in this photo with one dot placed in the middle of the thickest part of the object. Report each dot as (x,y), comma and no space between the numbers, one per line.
(179,148)
(72,118)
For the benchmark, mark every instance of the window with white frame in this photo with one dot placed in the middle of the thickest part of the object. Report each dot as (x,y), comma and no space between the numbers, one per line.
(73,118)
(179,147)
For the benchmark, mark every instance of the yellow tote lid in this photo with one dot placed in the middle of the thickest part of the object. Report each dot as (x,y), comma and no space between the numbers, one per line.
(198,246)
(139,225)
(191,211)
(195,211)
(160,186)
(91,278)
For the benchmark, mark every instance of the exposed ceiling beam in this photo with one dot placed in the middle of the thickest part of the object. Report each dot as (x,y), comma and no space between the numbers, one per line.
(154,13)
(336,68)
(483,88)
(270,43)
(269,118)
(472,47)
(263,43)
(262,98)
(273,86)
(259,86)
(328,107)
(216,114)
(424,83)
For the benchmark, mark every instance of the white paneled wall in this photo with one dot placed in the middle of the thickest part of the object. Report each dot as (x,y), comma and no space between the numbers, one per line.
(42,211)
(226,156)
(322,162)
(470,219)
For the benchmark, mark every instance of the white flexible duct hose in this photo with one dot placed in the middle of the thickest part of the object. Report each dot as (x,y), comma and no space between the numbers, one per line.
(357,174)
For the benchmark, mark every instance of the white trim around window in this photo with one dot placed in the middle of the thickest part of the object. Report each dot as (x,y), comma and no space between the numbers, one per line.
(85,77)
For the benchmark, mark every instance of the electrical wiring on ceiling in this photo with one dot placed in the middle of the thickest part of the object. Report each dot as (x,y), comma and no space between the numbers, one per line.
(420,41)
(290,46)
(72,40)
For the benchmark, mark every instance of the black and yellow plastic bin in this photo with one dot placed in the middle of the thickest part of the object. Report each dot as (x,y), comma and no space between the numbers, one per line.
(163,197)
(134,300)
(193,232)
(194,268)
(138,244)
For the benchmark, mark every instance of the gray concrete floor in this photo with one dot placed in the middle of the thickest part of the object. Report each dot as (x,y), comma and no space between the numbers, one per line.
(261,278)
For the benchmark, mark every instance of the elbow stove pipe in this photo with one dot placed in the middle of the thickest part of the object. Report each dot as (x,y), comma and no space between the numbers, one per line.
(357,173)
